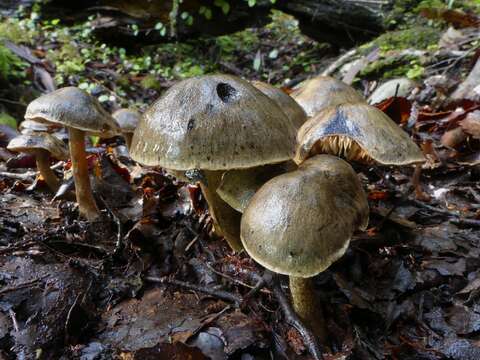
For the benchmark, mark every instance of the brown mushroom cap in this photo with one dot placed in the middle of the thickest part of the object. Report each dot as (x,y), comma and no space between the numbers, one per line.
(214,122)
(30,143)
(289,106)
(72,107)
(316,94)
(300,222)
(359,132)
(238,186)
(127,119)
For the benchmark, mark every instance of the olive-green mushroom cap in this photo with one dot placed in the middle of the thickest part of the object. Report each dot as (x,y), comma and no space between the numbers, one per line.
(214,122)
(127,119)
(359,132)
(239,185)
(72,107)
(289,106)
(31,143)
(300,222)
(317,93)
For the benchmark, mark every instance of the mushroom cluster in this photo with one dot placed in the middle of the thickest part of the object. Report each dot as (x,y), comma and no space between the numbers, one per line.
(269,164)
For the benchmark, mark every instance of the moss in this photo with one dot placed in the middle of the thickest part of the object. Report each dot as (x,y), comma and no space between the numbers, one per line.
(6,119)
(151,82)
(11,66)
(422,37)
(391,67)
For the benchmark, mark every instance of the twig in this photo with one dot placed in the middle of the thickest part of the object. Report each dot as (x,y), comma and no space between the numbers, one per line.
(339,62)
(221,294)
(292,318)
(14,319)
(457,219)
(20,286)
(27,176)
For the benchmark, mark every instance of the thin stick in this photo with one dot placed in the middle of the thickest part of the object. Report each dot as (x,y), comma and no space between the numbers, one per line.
(221,294)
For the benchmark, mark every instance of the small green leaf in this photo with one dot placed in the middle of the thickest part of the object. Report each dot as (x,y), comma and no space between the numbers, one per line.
(184,15)
(208,14)
(103,98)
(252,3)
(273,54)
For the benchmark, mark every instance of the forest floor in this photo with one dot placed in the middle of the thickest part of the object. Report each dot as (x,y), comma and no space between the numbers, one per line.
(150,281)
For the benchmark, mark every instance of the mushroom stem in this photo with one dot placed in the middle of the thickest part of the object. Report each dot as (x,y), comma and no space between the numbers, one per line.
(128,139)
(42,158)
(83,189)
(306,305)
(225,218)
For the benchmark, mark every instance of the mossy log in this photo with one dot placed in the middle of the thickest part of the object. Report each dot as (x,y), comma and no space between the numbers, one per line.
(339,22)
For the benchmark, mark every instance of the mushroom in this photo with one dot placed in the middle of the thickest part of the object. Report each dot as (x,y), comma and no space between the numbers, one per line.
(299,223)
(316,94)
(238,186)
(127,120)
(289,106)
(42,145)
(79,112)
(358,132)
(214,123)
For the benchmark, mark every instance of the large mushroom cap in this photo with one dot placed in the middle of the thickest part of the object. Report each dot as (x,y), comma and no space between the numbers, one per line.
(72,107)
(31,143)
(300,222)
(214,122)
(127,119)
(239,185)
(317,93)
(289,106)
(359,132)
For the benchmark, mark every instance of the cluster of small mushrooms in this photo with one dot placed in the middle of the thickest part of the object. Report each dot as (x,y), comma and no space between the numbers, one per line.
(269,164)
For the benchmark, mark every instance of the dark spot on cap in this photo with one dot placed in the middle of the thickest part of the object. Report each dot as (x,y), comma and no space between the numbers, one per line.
(338,126)
(209,107)
(226,92)
(208,158)
(191,124)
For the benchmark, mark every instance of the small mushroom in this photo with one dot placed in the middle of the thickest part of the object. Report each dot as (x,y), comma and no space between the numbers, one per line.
(317,93)
(127,120)
(358,132)
(299,223)
(214,123)
(289,106)
(80,113)
(238,186)
(42,145)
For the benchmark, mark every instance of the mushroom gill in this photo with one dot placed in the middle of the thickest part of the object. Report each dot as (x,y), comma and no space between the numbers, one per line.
(342,146)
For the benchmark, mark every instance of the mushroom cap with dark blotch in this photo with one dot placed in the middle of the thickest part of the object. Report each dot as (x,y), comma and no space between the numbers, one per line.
(300,222)
(30,143)
(379,137)
(316,94)
(127,119)
(72,107)
(289,106)
(239,185)
(214,122)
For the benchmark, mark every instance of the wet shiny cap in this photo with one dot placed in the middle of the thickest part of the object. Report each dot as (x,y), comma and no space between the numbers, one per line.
(317,93)
(32,143)
(289,106)
(214,122)
(127,119)
(358,132)
(300,222)
(72,107)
